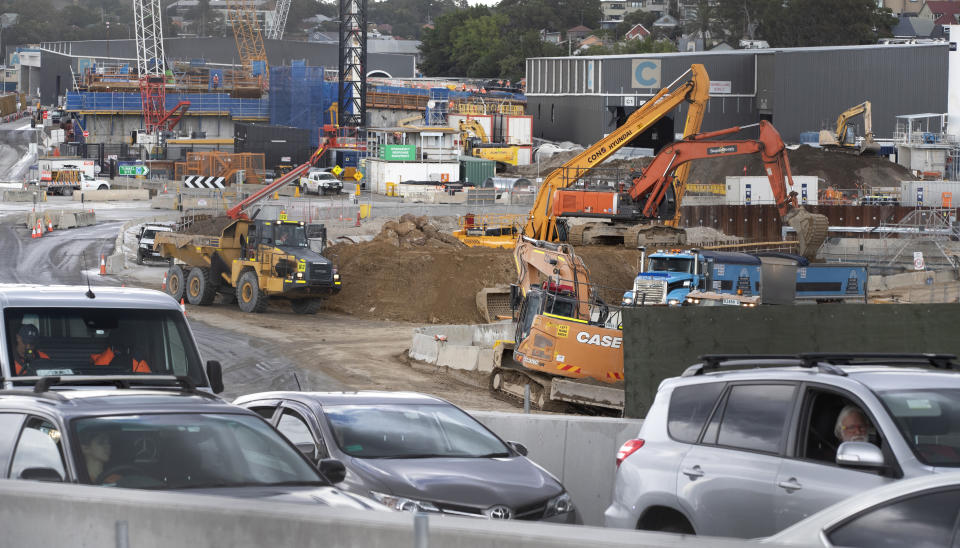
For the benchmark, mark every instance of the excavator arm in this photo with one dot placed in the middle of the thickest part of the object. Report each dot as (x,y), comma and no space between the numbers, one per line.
(537,260)
(541,223)
(474,127)
(650,188)
(237,211)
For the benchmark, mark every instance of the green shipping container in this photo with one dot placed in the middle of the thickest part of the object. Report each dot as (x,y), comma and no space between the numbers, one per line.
(398,153)
(476,170)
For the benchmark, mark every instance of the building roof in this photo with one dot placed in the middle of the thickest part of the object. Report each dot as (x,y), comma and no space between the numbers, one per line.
(637,31)
(910,26)
(579,28)
(945,12)
(666,21)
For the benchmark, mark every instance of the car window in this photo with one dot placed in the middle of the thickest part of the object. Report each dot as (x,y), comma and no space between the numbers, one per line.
(927,520)
(819,441)
(755,417)
(39,446)
(929,421)
(689,408)
(9,429)
(295,428)
(265,411)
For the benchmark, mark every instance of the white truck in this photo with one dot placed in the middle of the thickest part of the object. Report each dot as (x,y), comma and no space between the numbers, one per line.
(321,183)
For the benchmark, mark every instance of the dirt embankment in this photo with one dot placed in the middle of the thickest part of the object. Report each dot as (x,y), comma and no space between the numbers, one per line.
(433,281)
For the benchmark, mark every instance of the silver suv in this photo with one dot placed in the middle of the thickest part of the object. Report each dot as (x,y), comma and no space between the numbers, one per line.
(746,453)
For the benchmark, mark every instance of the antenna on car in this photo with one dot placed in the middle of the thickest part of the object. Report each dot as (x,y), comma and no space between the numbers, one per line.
(89,294)
(297,379)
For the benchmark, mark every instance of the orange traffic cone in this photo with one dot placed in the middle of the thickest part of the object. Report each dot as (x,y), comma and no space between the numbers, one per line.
(358,219)
(33,233)
(39,228)
(103,266)
(49,225)
(183,306)
(163,284)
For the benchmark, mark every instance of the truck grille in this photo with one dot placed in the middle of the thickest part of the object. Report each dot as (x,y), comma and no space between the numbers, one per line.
(649,292)
(320,272)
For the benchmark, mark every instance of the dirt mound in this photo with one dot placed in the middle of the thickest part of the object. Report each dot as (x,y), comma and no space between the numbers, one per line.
(411,231)
(438,283)
(212,226)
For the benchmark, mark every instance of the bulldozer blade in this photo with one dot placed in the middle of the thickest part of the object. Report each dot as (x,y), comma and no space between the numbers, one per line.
(811,230)
(493,303)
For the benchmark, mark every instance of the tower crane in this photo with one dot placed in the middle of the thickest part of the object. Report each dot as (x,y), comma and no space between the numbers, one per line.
(150,69)
(279,20)
(242,15)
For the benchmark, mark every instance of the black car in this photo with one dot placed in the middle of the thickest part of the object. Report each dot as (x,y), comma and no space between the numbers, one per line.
(415,452)
(165,437)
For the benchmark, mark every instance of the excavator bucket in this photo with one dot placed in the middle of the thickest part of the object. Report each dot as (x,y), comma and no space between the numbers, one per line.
(811,230)
(870,149)
(493,303)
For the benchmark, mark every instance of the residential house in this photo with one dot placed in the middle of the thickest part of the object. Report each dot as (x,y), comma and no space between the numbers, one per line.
(666,22)
(913,26)
(637,32)
(612,12)
(578,33)
(553,37)
(944,13)
(588,42)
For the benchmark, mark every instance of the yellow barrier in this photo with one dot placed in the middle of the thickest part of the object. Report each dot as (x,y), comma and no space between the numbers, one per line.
(365,210)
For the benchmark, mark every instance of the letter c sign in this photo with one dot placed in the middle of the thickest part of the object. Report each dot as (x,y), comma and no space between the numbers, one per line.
(646,73)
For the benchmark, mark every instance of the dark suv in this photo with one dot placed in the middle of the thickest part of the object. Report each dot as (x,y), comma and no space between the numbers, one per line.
(169,436)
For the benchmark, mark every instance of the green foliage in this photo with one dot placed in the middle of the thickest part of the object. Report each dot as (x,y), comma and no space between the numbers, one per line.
(798,23)
(407,17)
(647,45)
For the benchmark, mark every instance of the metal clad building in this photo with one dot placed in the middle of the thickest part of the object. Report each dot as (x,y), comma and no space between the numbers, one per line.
(580,99)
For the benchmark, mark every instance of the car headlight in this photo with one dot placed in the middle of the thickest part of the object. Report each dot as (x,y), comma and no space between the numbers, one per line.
(627,301)
(403,504)
(673,302)
(559,505)
(299,274)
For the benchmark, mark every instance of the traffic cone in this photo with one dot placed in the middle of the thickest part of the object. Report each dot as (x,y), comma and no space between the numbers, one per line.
(33,233)
(163,284)
(49,225)
(103,266)
(183,306)
(39,228)
(358,219)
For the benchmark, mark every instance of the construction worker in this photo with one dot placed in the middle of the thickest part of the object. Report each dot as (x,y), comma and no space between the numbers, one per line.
(119,354)
(26,352)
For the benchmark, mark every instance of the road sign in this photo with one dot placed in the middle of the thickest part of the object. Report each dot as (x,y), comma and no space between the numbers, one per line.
(86,133)
(132,170)
(918,260)
(337,170)
(357,175)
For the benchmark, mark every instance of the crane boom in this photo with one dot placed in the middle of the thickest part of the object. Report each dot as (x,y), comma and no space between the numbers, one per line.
(541,224)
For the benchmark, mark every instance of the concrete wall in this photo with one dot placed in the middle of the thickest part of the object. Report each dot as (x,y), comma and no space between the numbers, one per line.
(662,342)
(47,514)
(461,347)
(579,451)
(111,195)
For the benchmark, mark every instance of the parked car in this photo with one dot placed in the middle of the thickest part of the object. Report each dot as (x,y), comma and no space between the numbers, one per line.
(321,183)
(746,453)
(920,512)
(415,452)
(158,438)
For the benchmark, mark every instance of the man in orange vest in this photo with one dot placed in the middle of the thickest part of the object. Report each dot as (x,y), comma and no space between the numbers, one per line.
(26,352)
(119,354)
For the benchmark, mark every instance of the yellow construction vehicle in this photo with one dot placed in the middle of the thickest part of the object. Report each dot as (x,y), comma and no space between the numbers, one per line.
(841,137)
(475,142)
(564,333)
(541,224)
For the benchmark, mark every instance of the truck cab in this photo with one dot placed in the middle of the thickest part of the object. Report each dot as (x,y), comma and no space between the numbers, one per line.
(666,280)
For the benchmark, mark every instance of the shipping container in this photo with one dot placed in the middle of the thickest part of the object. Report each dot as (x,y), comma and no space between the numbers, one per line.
(930,193)
(280,145)
(380,172)
(756,190)
(347,158)
(476,170)
(517,130)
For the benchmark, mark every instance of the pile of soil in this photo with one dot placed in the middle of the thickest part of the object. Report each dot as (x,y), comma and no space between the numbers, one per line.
(211,226)
(411,231)
(438,283)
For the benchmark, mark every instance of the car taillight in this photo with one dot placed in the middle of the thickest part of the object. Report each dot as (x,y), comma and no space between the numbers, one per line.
(627,449)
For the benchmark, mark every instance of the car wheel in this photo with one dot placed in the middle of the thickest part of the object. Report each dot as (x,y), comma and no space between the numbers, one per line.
(175,282)
(250,298)
(201,287)
(103,187)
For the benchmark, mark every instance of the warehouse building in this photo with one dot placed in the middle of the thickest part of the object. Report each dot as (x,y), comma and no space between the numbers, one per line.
(581,99)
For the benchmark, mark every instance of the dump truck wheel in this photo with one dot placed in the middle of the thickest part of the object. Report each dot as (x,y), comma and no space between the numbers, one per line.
(250,297)
(305,306)
(201,288)
(175,282)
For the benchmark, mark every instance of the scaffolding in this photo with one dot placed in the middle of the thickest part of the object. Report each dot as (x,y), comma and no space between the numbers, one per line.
(299,97)
(228,165)
(922,228)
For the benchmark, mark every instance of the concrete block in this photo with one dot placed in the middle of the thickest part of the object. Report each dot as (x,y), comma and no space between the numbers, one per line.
(877,283)
(485,360)
(67,220)
(111,195)
(85,218)
(114,263)
(424,348)
(164,201)
(23,196)
(487,335)
(459,357)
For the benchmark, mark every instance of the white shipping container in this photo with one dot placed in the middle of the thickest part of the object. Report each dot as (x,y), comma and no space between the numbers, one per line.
(929,193)
(518,130)
(755,190)
(524,156)
(381,172)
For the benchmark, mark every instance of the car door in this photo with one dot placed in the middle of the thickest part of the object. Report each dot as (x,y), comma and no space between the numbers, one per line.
(298,424)
(809,479)
(38,453)
(727,481)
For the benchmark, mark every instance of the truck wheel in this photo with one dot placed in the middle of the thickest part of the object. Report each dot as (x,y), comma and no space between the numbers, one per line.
(250,297)
(175,282)
(305,306)
(67,191)
(201,289)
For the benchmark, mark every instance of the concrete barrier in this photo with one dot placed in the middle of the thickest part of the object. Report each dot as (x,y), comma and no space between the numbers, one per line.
(461,347)
(105,516)
(61,218)
(164,201)
(912,279)
(111,195)
(579,451)
(24,196)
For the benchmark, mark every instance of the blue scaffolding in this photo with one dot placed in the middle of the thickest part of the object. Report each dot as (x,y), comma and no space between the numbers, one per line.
(299,97)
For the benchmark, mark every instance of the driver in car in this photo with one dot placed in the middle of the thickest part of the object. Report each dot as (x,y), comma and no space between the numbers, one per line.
(96,453)
(25,351)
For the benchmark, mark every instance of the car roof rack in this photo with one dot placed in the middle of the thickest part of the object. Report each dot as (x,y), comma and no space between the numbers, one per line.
(181,382)
(827,362)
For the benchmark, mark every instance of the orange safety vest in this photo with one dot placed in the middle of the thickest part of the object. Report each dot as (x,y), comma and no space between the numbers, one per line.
(20,370)
(105,357)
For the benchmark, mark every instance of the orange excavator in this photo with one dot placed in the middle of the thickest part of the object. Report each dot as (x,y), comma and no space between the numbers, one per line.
(650,199)
(563,331)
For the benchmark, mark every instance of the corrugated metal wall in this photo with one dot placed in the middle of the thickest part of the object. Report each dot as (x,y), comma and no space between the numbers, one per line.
(803,88)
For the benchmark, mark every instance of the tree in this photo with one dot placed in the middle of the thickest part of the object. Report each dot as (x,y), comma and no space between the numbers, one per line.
(706,24)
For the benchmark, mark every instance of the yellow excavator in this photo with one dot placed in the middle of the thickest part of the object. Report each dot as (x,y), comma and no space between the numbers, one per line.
(541,224)
(476,143)
(841,137)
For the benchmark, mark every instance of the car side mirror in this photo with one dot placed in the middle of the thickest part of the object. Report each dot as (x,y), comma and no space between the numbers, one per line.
(518,447)
(215,376)
(41,474)
(860,454)
(333,470)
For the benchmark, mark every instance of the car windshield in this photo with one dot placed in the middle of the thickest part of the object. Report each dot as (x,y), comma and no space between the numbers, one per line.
(930,422)
(290,235)
(398,431)
(100,341)
(670,264)
(186,451)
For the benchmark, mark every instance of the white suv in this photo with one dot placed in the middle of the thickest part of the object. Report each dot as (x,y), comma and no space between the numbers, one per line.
(746,453)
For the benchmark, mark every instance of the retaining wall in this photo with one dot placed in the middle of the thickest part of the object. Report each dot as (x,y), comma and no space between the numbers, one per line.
(579,451)
(53,514)
(660,342)
(111,195)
